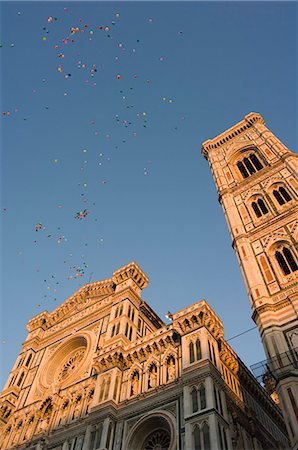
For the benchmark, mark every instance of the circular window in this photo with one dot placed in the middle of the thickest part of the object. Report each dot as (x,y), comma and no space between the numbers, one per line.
(158,440)
(155,431)
(66,362)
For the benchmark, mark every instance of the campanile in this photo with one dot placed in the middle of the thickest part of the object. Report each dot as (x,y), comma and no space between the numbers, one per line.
(256,179)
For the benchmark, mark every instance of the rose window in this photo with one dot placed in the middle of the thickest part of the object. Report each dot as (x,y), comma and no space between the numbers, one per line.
(158,440)
(70,365)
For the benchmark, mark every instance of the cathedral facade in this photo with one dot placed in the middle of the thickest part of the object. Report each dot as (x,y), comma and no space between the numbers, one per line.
(103,371)
(256,179)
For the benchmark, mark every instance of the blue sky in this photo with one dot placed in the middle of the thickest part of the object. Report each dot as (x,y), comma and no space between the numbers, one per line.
(113,123)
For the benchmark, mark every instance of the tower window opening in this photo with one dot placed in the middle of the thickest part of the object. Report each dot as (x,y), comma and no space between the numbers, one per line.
(249,165)
(259,207)
(286,261)
(191,353)
(198,349)
(197,438)
(194,400)
(242,169)
(282,195)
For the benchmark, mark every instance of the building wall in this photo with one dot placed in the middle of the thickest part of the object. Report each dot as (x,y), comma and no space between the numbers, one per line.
(256,178)
(91,384)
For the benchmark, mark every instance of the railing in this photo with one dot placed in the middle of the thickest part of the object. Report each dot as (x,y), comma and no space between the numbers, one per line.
(276,368)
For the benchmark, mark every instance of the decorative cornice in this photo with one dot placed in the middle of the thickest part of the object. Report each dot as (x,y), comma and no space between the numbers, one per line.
(231,133)
(79,299)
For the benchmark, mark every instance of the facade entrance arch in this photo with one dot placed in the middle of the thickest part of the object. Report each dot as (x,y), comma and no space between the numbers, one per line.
(154,431)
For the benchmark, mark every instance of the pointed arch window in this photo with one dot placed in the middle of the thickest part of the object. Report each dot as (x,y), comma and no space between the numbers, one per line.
(191,353)
(249,165)
(194,400)
(259,207)
(197,438)
(28,360)
(286,260)
(198,349)
(202,391)
(206,436)
(282,195)
(113,331)
(20,379)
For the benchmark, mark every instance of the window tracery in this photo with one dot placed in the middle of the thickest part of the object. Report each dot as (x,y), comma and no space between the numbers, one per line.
(70,365)
(158,440)
(281,195)
(249,165)
(286,260)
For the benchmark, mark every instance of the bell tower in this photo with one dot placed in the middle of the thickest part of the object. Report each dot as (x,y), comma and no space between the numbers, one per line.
(256,179)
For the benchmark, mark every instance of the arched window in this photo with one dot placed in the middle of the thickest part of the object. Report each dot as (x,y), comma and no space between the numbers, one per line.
(206,436)
(197,438)
(116,312)
(121,310)
(202,391)
(198,349)
(28,360)
(113,331)
(220,436)
(118,327)
(130,333)
(242,169)
(259,207)
(126,330)
(20,379)
(191,353)
(286,260)
(281,195)
(129,310)
(249,165)
(194,400)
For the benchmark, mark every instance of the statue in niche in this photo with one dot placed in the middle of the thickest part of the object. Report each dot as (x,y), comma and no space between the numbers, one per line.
(171,370)
(152,379)
(135,384)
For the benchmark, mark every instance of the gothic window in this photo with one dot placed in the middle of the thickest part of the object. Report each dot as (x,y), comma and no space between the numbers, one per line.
(133,315)
(197,438)
(249,165)
(130,333)
(159,439)
(121,310)
(20,379)
(194,400)
(126,330)
(286,260)
(281,195)
(116,313)
(191,353)
(113,331)
(259,207)
(28,360)
(198,349)
(102,389)
(225,438)
(202,391)
(215,398)
(117,329)
(107,388)
(129,310)
(139,325)
(109,434)
(206,436)
(220,436)
(70,365)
